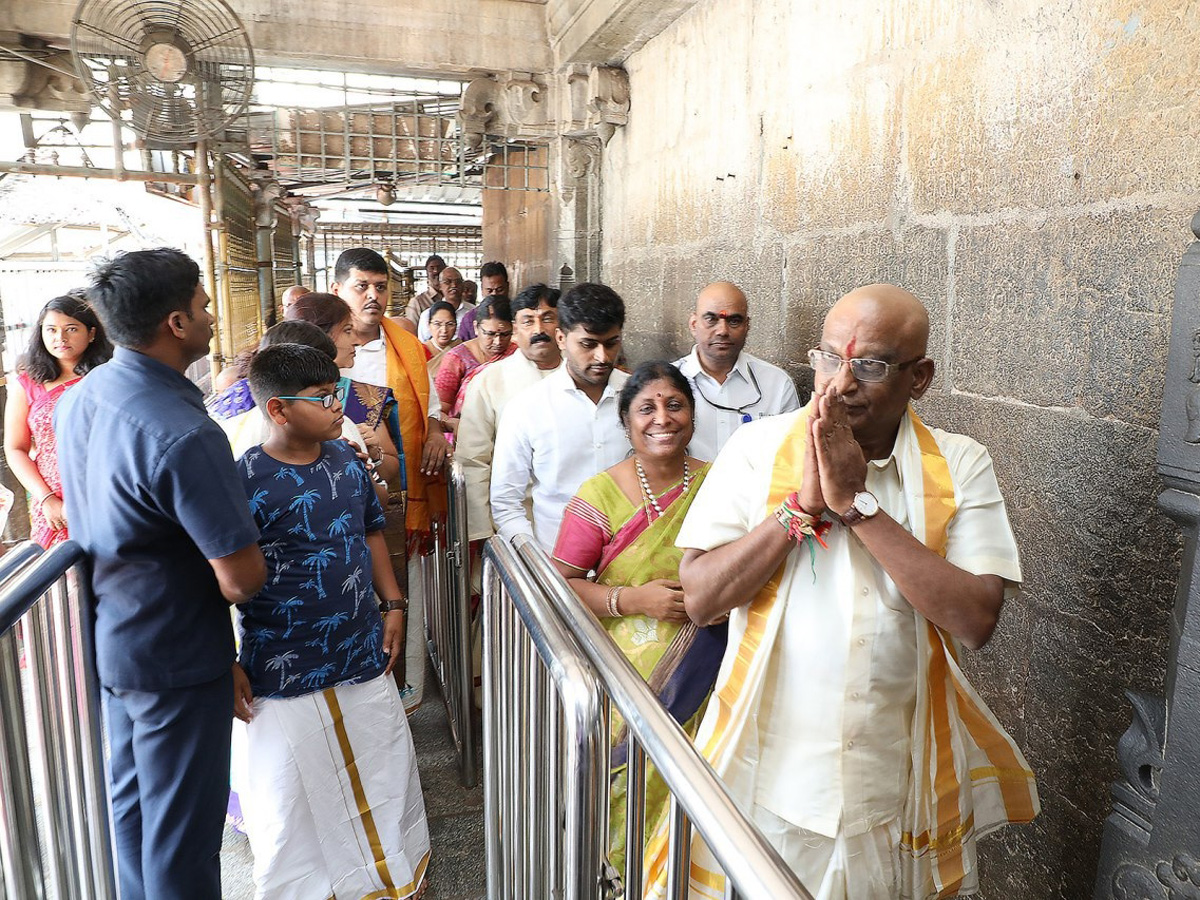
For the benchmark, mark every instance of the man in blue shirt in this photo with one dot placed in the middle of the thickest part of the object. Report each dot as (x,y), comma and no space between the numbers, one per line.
(152,495)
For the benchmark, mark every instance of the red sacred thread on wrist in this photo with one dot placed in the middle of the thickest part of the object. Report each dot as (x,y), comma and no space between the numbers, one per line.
(803,524)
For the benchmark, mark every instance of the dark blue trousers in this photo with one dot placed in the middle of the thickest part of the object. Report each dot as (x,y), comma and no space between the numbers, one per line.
(169,771)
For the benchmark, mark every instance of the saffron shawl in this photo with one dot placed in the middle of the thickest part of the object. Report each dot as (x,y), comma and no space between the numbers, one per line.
(968,776)
(408,378)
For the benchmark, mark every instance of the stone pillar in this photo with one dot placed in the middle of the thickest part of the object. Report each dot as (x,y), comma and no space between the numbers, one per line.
(1152,837)
(575,112)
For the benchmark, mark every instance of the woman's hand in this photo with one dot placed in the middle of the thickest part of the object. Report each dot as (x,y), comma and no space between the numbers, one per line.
(243,698)
(374,450)
(660,599)
(393,638)
(52,509)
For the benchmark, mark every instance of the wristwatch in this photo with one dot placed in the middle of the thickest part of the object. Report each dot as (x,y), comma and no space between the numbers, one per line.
(387,606)
(864,506)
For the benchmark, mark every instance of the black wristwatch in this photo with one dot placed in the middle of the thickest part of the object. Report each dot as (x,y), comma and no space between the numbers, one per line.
(387,606)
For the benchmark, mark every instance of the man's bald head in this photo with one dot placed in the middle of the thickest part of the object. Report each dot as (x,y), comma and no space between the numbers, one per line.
(725,294)
(294,293)
(881,322)
(877,312)
(719,326)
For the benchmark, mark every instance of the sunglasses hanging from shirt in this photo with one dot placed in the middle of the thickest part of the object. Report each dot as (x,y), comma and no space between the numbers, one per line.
(740,410)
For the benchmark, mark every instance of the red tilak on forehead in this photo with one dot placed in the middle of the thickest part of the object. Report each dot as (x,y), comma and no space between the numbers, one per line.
(850,347)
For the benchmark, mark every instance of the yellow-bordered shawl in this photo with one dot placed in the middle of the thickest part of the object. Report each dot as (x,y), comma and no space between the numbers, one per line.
(968,776)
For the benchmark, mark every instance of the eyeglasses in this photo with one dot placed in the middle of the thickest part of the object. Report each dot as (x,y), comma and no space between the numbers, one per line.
(492,335)
(828,365)
(326,400)
(438,323)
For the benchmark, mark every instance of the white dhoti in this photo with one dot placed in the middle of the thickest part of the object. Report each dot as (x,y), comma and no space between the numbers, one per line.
(332,798)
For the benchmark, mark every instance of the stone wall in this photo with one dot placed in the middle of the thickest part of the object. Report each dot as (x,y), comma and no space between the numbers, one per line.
(1029,168)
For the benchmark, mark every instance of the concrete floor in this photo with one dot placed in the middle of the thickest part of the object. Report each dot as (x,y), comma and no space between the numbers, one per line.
(457,867)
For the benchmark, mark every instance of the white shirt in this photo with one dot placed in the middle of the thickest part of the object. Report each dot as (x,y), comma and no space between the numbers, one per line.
(370,367)
(423,332)
(753,389)
(553,438)
(833,720)
(487,395)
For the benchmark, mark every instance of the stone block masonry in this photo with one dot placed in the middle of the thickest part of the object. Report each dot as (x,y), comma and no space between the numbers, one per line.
(1029,169)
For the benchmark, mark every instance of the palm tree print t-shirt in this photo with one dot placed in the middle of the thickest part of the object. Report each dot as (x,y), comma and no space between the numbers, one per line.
(315,623)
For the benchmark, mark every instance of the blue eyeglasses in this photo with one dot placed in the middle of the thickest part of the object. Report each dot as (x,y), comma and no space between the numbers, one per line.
(326,400)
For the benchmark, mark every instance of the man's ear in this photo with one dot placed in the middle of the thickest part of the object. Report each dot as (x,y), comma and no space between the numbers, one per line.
(561,337)
(922,377)
(276,411)
(175,323)
(335,288)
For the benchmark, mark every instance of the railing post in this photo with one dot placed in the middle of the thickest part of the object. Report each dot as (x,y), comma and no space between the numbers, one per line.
(23,876)
(492,716)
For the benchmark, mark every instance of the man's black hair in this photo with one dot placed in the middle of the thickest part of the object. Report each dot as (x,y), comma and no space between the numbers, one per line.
(362,258)
(134,292)
(494,307)
(298,331)
(40,365)
(492,269)
(284,370)
(646,373)
(431,258)
(595,307)
(533,297)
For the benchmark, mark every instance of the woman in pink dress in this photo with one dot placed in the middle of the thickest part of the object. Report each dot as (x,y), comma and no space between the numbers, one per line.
(492,342)
(67,343)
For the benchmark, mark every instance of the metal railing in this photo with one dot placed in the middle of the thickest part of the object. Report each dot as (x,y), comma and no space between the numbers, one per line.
(550,673)
(52,718)
(446,571)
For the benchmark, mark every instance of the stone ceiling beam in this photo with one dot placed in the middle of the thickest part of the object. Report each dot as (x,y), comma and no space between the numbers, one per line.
(418,37)
(606,32)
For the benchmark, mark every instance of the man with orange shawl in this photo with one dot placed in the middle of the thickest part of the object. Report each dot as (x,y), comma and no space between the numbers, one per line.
(853,548)
(392,358)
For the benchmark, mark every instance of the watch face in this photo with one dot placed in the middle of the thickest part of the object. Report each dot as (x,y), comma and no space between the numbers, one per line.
(866,503)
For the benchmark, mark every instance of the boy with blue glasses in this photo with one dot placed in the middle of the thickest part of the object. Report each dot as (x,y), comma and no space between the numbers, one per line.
(333,803)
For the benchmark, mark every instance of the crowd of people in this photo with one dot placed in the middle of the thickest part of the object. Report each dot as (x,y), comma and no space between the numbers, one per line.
(792,583)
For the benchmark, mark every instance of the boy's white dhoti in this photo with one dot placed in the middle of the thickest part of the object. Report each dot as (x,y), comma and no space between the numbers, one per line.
(332,798)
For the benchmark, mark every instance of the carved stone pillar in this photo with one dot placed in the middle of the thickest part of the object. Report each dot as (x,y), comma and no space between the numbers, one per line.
(1152,836)
(575,113)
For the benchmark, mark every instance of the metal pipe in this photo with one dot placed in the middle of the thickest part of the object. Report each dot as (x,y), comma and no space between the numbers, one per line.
(224,302)
(635,812)
(210,265)
(24,168)
(82,653)
(679,852)
(742,852)
(462,610)
(46,720)
(491,740)
(19,858)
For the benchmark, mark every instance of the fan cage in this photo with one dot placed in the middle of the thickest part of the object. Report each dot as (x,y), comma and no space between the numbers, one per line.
(109,41)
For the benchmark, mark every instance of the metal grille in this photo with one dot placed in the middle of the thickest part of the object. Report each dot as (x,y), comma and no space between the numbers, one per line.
(404,246)
(284,259)
(357,130)
(240,320)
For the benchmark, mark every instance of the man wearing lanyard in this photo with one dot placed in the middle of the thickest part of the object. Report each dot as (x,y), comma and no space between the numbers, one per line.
(731,386)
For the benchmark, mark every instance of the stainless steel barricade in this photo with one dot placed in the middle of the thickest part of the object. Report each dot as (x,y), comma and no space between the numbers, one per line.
(546,762)
(446,571)
(56,722)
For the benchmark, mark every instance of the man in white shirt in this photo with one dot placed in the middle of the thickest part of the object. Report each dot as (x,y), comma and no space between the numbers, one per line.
(565,429)
(852,547)
(451,282)
(389,356)
(731,386)
(432,293)
(535,318)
